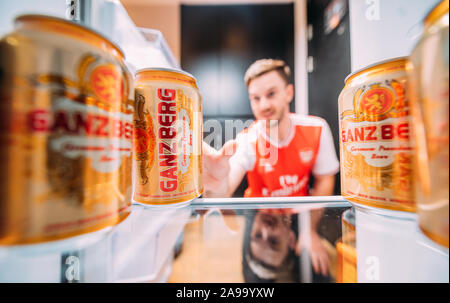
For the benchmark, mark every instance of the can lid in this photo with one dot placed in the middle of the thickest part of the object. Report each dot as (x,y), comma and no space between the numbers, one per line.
(437,12)
(375,65)
(173,70)
(42,18)
(385,212)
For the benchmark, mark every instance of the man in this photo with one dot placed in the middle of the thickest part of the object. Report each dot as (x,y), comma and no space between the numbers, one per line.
(278,152)
(269,250)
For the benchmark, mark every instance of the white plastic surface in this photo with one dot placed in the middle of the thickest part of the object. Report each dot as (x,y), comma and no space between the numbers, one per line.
(137,250)
(391,248)
(142,244)
(10,9)
(109,18)
(87,255)
(385,29)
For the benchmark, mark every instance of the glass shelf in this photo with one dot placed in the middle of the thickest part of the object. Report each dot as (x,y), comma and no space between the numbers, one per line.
(239,240)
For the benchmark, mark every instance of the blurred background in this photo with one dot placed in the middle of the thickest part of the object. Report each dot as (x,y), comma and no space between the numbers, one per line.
(216,41)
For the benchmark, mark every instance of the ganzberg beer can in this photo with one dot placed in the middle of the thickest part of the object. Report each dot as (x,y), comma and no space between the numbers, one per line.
(66,123)
(168,138)
(375,146)
(428,76)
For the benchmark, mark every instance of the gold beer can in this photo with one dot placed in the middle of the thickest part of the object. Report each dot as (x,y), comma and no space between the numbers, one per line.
(168,119)
(66,132)
(428,76)
(375,146)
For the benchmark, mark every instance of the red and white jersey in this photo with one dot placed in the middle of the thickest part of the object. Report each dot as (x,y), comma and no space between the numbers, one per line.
(281,169)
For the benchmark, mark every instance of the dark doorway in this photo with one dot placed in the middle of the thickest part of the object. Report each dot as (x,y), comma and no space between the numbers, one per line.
(330,56)
(218,44)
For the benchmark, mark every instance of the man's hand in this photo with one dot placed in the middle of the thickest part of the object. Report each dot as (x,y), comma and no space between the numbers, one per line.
(317,252)
(323,185)
(216,169)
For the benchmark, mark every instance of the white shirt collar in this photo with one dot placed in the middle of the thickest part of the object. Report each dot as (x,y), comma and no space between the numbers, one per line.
(275,142)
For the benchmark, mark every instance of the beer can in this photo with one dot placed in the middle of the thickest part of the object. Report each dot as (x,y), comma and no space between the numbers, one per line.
(168,119)
(375,145)
(428,76)
(66,132)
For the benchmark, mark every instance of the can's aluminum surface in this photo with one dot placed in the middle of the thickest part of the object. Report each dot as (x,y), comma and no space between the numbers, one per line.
(66,132)
(375,147)
(346,250)
(167,165)
(428,76)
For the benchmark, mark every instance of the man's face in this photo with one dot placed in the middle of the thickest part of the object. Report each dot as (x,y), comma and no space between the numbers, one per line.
(270,96)
(271,238)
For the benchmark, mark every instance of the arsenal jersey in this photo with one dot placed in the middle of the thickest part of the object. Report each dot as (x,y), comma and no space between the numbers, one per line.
(281,169)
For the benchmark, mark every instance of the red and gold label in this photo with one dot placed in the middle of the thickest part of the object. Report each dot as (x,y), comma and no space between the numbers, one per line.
(376,151)
(167,146)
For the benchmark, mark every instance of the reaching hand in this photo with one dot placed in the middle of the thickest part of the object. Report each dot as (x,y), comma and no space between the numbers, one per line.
(216,168)
(317,252)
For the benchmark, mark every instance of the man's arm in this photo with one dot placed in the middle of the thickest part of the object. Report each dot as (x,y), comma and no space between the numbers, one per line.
(323,185)
(235,177)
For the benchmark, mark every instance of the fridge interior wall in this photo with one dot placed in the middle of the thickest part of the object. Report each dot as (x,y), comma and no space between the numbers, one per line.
(385,29)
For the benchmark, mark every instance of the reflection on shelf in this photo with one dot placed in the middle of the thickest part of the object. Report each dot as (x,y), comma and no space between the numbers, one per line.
(237,240)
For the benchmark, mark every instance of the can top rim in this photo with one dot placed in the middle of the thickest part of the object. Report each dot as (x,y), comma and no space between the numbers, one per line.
(376,64)
(24,17)
(165,69)
(398,214)
(437,12)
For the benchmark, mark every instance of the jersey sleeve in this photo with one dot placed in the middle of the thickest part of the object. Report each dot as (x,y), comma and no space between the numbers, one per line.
(245,155)
(327,162)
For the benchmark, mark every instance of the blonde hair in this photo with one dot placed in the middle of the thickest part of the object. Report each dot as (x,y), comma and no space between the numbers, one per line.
(263,66)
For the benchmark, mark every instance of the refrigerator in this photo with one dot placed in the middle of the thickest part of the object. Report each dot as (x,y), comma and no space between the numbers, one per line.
(388,245)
